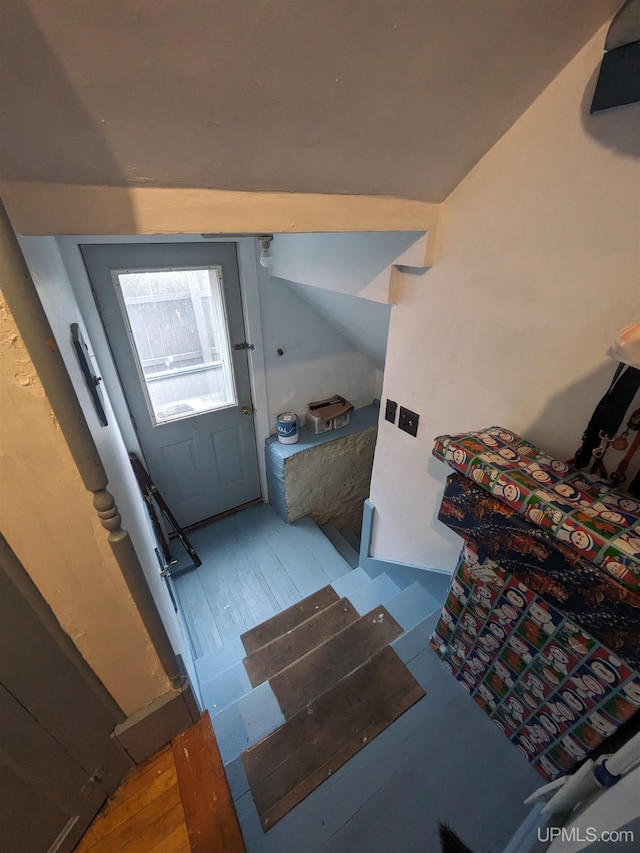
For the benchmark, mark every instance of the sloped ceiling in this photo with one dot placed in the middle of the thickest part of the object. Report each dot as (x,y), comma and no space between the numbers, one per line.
(363,323)
(397,97)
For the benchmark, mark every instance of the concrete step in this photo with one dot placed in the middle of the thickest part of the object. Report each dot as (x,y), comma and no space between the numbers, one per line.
(214,663)
(307,536)
(412,605)
(378,591)
(352,538)
(351,581)
(344,548)
(225,688)
(246,721)
(414,641)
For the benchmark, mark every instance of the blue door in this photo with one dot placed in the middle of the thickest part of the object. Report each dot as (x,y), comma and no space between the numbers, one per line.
(173,316)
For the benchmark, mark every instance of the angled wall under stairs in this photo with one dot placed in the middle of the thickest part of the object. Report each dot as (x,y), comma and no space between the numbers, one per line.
(352,280)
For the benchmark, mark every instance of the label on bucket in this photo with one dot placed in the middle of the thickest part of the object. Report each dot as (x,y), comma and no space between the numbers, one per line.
(287,425)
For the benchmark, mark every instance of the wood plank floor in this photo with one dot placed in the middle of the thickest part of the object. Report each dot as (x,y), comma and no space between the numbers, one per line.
(144,814)
(253,566)
(177,801)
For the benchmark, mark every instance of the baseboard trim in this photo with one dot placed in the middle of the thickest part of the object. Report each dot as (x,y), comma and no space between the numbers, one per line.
(435,581)
(151,728)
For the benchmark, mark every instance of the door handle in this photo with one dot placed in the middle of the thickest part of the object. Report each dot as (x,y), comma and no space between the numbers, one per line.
(245,410)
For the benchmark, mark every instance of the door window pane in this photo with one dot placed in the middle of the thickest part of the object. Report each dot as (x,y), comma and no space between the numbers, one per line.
(177,325)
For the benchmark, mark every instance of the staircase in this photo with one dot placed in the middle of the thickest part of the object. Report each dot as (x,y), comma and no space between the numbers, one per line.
(242,714)
(430,765)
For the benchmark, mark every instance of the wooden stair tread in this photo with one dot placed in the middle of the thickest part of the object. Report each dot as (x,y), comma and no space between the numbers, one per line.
(284,650)
(210,815)
(333,659)
(292,761)
(288,619)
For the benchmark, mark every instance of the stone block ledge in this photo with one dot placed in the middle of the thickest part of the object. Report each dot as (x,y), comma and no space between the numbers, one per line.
(324,476)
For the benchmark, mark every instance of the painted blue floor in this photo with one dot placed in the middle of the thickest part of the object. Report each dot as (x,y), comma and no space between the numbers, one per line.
(443,760)
(253,566)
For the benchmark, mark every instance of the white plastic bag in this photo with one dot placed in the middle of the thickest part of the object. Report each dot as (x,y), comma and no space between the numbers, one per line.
(626,347)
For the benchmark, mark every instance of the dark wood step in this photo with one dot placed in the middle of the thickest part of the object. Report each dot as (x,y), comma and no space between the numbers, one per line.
(284,621)
(209,812)
(323,666)
(292,761)
(280,653)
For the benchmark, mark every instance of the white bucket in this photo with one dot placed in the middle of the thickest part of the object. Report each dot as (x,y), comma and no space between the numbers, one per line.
(287,426)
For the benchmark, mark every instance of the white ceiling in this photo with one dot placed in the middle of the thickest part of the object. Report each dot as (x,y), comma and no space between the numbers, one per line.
(396,97)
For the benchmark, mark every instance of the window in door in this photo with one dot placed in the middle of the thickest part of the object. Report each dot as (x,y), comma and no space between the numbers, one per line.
(177,326)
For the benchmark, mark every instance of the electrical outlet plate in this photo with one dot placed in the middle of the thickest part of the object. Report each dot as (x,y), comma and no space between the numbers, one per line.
(390,411)
(408,421)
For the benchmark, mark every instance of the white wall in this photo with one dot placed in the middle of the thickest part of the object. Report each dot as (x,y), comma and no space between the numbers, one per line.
(49,521)
(362,322)
(317,362)
(54,288)
(355,264)
(538,268)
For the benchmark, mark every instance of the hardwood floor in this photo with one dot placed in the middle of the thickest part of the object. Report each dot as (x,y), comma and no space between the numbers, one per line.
(144,814)
(177,801)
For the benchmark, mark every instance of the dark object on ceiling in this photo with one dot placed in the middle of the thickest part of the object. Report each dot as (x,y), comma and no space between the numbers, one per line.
(619,78)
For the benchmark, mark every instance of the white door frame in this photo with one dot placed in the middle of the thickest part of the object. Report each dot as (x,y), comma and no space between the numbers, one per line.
(247,264)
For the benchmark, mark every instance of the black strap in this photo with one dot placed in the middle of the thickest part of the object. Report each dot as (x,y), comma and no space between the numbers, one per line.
(610,412)
(151,494)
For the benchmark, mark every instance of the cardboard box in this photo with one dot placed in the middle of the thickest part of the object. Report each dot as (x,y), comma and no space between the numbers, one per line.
(317,424)
(331,413)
